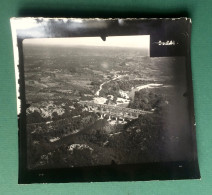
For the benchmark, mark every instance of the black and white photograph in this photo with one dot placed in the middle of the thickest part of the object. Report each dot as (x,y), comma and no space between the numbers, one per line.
(112,94)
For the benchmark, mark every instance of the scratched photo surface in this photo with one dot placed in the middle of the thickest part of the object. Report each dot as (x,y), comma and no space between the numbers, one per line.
(95,102)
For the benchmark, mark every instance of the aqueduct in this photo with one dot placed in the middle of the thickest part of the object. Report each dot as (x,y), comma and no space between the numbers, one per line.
(111,111)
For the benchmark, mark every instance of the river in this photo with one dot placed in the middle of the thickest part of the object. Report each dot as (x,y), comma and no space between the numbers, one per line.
(151,85)
(131,93)
(100,87)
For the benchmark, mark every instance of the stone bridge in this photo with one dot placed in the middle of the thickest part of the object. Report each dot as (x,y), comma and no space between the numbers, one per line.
(113,112)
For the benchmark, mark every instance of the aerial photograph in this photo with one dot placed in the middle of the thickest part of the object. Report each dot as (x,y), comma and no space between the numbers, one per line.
(94,102)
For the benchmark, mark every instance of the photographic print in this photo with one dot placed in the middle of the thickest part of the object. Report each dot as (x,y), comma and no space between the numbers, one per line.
(104,99)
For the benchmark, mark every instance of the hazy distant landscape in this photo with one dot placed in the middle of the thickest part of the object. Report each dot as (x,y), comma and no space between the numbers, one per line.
(63,133)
